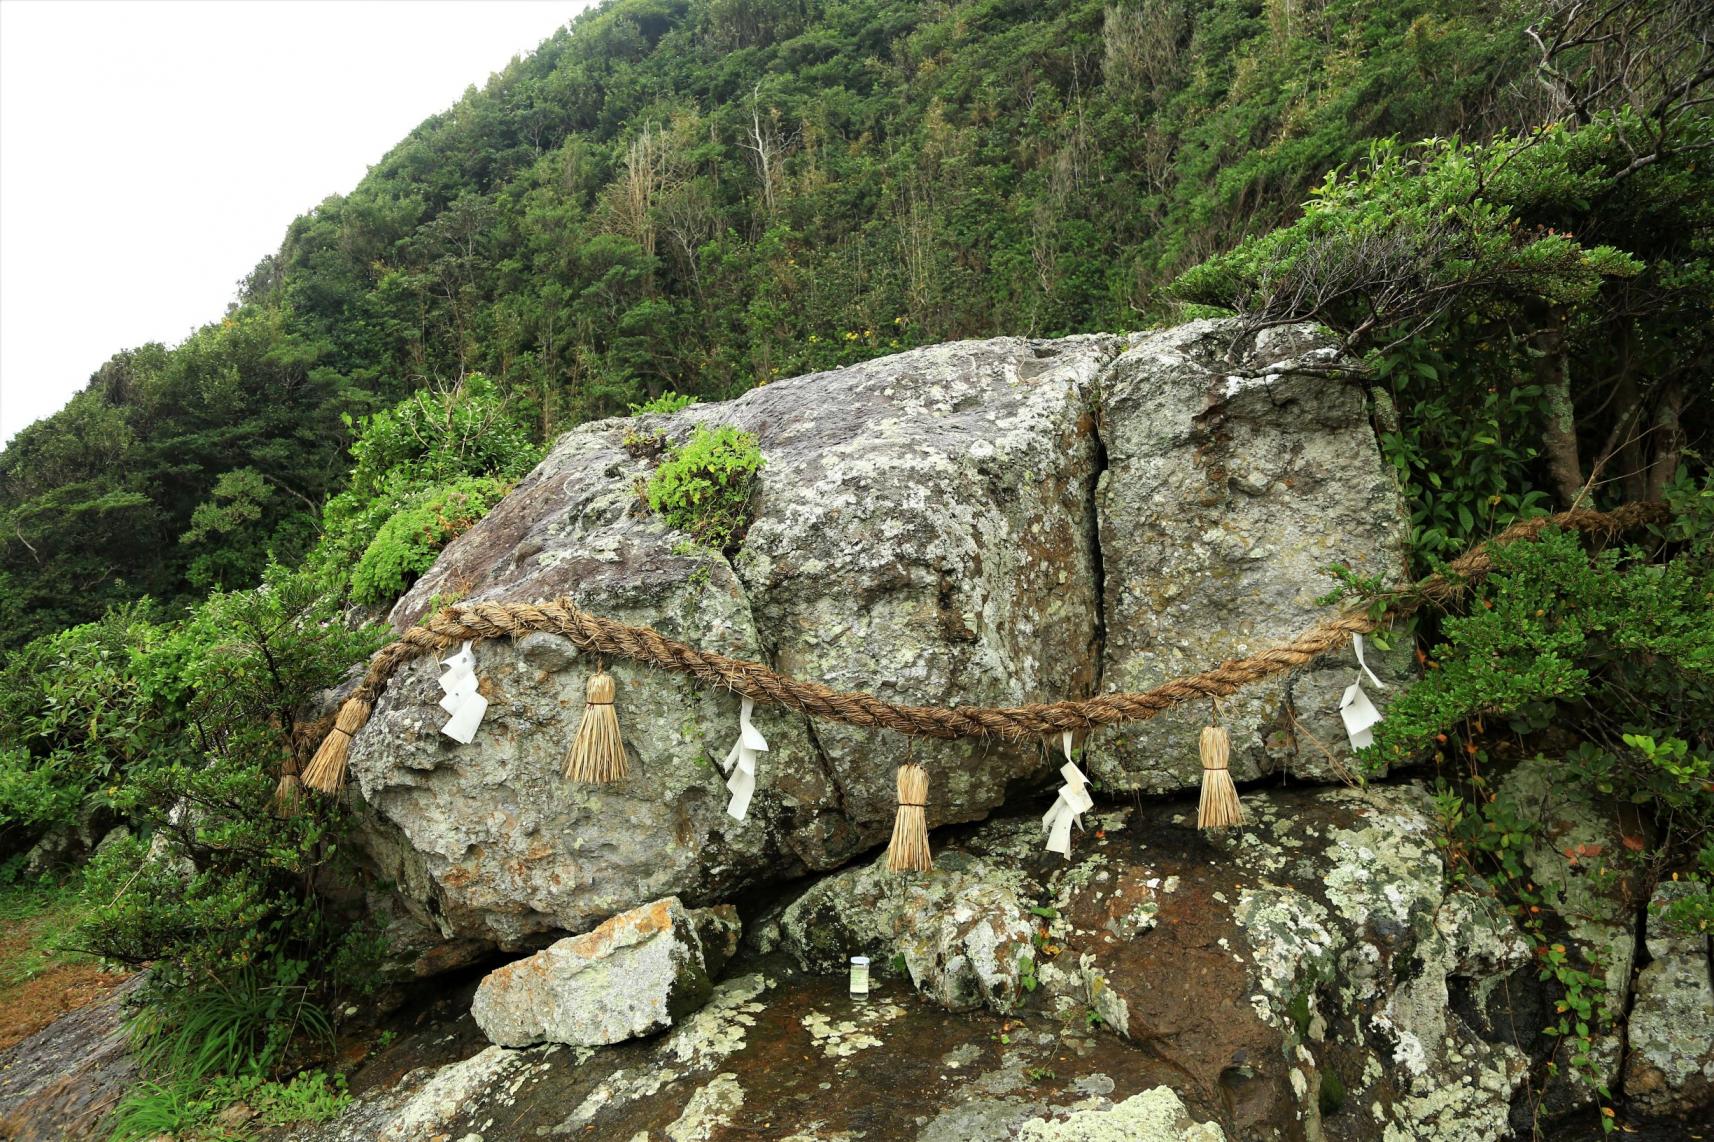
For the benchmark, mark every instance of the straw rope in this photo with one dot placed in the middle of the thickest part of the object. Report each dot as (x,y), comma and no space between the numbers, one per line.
(453,625)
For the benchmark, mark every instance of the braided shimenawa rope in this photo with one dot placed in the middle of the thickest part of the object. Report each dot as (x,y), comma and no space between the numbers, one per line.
(590,632)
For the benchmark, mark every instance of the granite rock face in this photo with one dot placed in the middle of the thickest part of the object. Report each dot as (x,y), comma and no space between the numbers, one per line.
(989,522)
(633,975)
(1670,1066)
(1600,911)
(1232,479)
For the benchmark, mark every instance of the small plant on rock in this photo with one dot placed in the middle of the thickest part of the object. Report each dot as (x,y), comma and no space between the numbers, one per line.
(704,485)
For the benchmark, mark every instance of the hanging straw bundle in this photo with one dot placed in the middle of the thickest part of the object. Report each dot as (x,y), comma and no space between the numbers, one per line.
(598,754)
(909,849)
(326,772)
(288,794)
(1219,807)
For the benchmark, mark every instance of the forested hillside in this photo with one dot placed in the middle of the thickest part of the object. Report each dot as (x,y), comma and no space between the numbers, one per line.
(699,195)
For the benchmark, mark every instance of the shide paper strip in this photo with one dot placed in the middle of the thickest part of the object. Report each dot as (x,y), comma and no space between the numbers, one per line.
(1358,713)
(462,700)
(740,762)
(1073,801)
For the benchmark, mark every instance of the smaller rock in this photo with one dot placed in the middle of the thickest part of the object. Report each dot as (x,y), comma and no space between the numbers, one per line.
(235,1116)
(635,974)
(1670,1067)
(114,836)
(53,851)
(1153,1116)
(961,930)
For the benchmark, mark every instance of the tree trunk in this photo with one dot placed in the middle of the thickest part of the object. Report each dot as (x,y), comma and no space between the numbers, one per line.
(1559,432)
(1667,436)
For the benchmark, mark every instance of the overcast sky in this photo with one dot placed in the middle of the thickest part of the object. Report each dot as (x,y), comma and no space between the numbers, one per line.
(152,153)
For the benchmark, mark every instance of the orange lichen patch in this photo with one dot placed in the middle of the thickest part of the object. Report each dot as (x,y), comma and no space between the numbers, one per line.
(644,921)
(28,1007)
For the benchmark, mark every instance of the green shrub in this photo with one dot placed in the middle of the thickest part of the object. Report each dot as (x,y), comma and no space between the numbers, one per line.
(77,709)
(412,538)
(704,485)
(666,402)
(1610,644)
(212,881)
(436,436)
(1604,663)
(308,1097)
(37,795)
(422,469)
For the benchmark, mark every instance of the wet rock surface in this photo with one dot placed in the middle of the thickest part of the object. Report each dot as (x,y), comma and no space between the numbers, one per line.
(989,522)
(1314,976)
(775,1055)
(60,1082)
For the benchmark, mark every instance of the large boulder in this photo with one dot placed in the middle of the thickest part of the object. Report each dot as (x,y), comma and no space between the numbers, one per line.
(936,527)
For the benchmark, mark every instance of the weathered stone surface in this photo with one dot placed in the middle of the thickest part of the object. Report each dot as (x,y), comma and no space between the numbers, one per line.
(961,930)
(1154,1116)
(783,1057)
(633,975)
(1235,473)
(935,527)
(1670,1066)
(1310,976)
(62,1082)
(1597,898)
(924,528)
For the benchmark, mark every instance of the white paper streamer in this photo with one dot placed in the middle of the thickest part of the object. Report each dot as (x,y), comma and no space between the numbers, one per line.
(1358,713)
(1357,645)
(462,701)
(1073,801)
(740,762)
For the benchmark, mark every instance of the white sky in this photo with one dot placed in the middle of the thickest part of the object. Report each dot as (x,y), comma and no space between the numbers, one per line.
(152,153)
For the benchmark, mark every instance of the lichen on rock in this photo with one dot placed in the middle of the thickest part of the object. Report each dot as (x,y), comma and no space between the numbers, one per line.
(636,973)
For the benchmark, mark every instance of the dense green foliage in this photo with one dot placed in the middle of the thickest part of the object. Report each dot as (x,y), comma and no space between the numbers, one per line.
(1534,310)
(181,726)
(697,195)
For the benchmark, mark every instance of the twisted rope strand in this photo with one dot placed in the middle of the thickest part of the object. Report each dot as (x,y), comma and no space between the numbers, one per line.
(591,632)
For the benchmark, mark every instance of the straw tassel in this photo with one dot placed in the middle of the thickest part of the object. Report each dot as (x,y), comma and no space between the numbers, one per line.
(326,772)
(288,794)
(1219,807)
(598,754)
(909,850)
